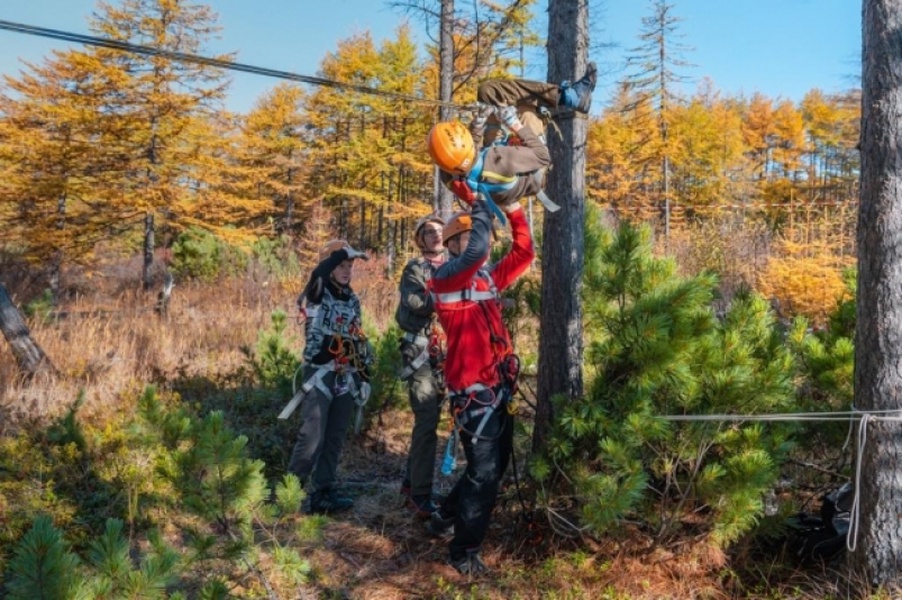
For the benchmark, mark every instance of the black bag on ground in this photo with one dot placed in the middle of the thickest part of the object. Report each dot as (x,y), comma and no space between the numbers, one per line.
(823,537)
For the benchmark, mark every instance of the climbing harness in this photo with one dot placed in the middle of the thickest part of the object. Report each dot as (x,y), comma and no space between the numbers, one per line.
(349,356)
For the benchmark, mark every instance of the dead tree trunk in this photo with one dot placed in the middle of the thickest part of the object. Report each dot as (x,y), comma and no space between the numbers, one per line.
(443,200)
(149,242)
(878,334)
(560,337)
(29,356)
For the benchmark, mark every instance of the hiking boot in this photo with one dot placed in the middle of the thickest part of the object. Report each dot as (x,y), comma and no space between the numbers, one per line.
(578,96)
(470,565)
(421,505)
(328,501)
(439,523)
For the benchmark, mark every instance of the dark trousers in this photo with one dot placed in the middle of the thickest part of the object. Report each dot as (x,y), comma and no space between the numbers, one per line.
(425,394)
(473,497)
(324,425)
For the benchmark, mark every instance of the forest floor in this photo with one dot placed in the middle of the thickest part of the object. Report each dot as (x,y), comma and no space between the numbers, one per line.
(378,550)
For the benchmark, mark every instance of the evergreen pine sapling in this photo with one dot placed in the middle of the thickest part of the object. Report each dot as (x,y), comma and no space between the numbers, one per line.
(655,348)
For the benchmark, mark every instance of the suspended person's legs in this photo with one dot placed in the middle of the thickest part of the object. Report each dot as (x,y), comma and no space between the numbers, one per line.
(578,95)
(528,96)
(533,98)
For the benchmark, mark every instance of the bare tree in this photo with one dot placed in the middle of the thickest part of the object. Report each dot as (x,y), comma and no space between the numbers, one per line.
(442,200)
(878,335)
(655,79)
(29,356)
(560,338)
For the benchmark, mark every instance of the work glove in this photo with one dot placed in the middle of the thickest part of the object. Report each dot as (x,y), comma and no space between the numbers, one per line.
(508,115)
(510,207)
(460,189)
(482,116)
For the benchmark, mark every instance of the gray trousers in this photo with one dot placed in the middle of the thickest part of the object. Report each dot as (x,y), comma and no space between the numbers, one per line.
(425,397)
(324,425)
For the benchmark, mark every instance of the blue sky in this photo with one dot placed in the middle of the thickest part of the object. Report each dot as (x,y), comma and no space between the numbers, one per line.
(781,48)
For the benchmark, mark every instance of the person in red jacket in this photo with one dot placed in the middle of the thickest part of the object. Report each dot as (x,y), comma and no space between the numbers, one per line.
(465,294)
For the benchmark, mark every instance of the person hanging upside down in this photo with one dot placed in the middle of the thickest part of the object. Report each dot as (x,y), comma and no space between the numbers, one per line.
(504,173)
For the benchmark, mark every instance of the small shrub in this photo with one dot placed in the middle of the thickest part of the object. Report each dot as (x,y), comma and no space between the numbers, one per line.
(273,360)
(41,307)
(276,257)
(199,254)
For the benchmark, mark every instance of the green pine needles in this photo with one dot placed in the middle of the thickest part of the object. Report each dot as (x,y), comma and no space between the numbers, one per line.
(655,348)
(44,568)
(161,469)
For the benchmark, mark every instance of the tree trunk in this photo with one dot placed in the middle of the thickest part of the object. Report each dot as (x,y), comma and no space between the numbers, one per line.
(561,331)
(442,201)
(29,356)
(878,334)
(147,272)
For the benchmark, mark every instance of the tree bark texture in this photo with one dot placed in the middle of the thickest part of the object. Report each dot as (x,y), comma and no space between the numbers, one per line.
(561,333)
(149,243)
(29,356)
(443,200)
(878,335)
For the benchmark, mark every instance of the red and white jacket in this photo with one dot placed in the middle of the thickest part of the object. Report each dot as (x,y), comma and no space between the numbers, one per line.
(465,293)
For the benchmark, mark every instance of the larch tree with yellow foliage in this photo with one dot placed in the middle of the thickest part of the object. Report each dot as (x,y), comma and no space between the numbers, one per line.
(270,163)
(159,105)
(55,161)
(367,151)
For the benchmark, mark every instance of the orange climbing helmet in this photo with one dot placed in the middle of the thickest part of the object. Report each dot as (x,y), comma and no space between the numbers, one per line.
(458,223)
(451,147)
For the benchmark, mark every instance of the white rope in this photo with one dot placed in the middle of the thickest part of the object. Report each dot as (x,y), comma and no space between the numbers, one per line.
(852,535)
(894,414)
(864,418)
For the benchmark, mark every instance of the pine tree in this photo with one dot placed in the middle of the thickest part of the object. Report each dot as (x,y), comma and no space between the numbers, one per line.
(114,574)
(655,348)
(216,479)
(42,567)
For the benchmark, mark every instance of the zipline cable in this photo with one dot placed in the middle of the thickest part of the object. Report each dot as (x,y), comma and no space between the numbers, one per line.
(213,62)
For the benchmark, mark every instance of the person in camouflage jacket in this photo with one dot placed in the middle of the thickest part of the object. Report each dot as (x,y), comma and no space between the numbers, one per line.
(423,357)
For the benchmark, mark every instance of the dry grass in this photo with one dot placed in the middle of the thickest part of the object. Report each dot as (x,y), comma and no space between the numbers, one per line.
(111,346)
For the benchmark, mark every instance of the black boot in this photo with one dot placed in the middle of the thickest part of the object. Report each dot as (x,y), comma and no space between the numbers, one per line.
(471,565)
(439,523)
(421,505)
(328,501)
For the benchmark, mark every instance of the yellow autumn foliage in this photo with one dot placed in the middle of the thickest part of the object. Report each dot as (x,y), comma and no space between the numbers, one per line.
(804,280)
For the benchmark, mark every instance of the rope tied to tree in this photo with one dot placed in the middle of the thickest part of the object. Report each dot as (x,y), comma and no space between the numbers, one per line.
(864,417)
